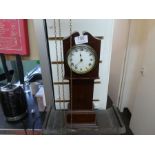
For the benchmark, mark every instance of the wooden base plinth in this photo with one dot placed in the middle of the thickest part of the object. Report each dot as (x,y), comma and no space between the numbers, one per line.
(81,117)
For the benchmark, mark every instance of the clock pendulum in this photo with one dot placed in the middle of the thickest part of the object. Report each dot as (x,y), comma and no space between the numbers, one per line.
(81,68)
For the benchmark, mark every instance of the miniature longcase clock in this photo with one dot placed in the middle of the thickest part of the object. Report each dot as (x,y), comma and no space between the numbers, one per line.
(81,64)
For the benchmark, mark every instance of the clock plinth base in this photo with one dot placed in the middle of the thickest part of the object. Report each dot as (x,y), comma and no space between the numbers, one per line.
(81,117)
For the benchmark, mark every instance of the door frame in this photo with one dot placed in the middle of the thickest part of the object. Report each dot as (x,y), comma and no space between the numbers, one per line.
(40,27)
(122,87)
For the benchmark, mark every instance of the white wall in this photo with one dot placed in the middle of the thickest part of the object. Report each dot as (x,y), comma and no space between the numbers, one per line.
(34,51)
(139,86)
(96,28)
(143,114)
(119,46)
(135,56)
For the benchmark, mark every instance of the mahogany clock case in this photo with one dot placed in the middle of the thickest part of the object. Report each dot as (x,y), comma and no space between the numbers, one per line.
(81,85)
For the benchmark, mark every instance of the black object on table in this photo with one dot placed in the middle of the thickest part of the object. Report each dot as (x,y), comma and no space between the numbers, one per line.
(31,124)
(13,100)
(12,97)
(33,120)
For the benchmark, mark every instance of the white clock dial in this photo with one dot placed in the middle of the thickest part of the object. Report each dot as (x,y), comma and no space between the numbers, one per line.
(81,59)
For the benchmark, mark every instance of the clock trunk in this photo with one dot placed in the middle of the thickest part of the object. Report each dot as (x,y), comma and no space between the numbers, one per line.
(80,109)
(81,97)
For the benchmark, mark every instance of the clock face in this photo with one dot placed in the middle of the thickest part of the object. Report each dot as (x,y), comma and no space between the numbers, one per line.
(81,59)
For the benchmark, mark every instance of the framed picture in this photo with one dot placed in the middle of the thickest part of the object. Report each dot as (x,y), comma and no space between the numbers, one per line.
(14,36)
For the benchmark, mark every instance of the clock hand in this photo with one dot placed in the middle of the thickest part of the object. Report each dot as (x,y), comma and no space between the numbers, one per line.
(79,62)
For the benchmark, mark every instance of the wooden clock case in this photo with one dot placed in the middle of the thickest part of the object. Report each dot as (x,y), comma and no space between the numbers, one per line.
(81,109)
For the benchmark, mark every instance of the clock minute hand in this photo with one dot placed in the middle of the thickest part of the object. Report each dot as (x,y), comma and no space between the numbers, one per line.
(79,62)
